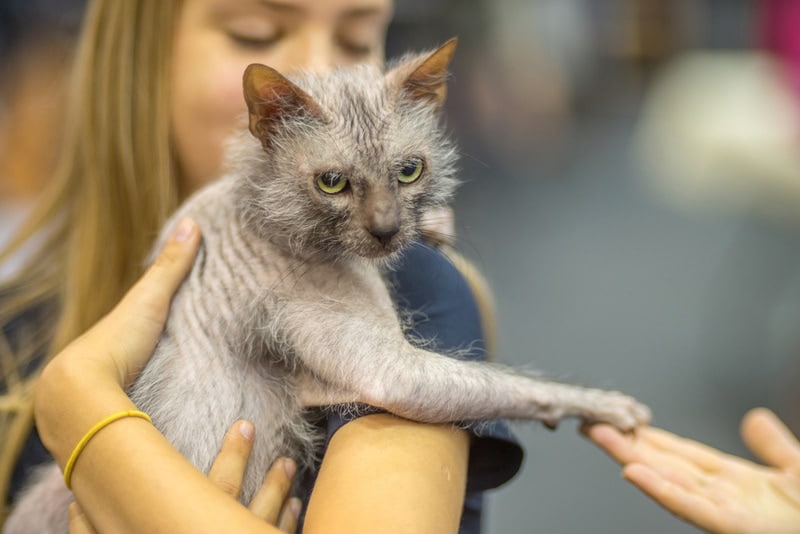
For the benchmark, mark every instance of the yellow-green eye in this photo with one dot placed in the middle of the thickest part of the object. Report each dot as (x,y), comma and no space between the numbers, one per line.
(410,171)
(331,182)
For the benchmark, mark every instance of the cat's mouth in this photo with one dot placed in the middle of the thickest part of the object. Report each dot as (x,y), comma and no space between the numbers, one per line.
(378,247)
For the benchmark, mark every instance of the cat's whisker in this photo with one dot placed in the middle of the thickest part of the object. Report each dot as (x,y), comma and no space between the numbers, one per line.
(480,162)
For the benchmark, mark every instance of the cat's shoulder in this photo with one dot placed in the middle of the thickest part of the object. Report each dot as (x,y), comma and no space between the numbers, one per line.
(214,199)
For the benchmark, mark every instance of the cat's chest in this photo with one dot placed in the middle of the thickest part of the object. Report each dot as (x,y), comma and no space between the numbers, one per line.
(235,267)
(351,284)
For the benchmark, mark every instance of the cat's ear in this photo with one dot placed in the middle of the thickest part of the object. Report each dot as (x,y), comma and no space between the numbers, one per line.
(425,77)
(271,98)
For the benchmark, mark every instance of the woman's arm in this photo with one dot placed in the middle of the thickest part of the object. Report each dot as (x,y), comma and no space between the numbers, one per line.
(271,502)
(378,470)
(382,473)
(129,478)
(410,477)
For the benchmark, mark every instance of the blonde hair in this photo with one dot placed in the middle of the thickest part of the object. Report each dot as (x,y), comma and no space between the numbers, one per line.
(114,185)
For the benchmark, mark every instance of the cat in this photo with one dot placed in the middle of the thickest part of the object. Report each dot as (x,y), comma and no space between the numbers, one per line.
(286,306)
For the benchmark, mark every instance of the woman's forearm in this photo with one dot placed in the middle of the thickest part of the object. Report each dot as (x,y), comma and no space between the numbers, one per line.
(379,471)
(382,473)
(129,478)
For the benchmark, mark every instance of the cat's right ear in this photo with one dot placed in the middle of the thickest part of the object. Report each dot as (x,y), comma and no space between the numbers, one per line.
(424,77)
(271,98)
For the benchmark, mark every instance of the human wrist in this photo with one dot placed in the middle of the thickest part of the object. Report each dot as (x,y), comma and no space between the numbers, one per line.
(69,399)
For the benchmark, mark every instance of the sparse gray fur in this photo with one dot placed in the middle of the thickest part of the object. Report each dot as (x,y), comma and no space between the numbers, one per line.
(286,306)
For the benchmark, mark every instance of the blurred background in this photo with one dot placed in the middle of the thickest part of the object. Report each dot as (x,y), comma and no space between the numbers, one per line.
(632,193)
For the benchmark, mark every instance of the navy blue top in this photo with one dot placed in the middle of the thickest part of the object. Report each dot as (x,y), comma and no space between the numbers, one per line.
(444,313)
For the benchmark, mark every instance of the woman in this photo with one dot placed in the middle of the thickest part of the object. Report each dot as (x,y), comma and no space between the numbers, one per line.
(157,90)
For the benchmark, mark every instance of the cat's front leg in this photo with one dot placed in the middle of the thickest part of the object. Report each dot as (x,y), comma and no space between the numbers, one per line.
(313,392)
(554,401)
(358,349)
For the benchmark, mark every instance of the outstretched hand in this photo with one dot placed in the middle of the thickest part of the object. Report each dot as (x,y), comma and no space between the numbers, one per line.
(715,491)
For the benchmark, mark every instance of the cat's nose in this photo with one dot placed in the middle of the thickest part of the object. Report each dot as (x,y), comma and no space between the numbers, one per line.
(384,234)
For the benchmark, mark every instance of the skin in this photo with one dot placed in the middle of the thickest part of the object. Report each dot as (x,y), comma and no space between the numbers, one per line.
(418,468)
(405,476)
(710,489)
(115,481)
(271,503)
(217,39)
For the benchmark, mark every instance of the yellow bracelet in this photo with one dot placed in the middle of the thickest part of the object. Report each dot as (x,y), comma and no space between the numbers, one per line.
(91,433)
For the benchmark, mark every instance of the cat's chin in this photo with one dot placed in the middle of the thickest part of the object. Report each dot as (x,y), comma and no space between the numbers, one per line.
(379,254)
(382,254)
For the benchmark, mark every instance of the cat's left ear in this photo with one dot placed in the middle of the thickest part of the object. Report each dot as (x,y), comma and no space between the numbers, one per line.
(271,98)
(425,77)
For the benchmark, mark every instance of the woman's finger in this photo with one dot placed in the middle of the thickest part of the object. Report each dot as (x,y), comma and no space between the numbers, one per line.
(688,505)
(229,466)
(137,321)
(770,439)
(290,515)
(78,523)
(639,449)
(705,457)
(155,289)
(270,498)
(616,444)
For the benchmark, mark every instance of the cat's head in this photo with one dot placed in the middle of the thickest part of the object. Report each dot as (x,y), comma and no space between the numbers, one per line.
(346,163)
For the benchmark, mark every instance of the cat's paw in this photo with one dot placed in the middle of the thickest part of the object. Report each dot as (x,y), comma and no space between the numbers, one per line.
(617,409)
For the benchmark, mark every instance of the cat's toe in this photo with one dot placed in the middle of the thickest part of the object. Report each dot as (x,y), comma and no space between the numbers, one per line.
(624,412)
(643,414)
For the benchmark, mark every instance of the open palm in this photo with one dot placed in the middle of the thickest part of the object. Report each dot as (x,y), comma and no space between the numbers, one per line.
(713,490)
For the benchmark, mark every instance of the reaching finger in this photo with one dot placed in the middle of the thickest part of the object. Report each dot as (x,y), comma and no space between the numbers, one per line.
(629,449)
(617,445)
(78,523)
(771,440)
(289,516)
(269,500)
(703,456)
(687,505)
(228,468)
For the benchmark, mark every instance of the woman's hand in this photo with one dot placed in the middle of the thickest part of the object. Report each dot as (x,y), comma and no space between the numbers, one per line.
(715,491)
(271,503)
(124,340)
(92,370)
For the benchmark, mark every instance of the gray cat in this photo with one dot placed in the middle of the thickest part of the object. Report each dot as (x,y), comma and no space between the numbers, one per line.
(286,307)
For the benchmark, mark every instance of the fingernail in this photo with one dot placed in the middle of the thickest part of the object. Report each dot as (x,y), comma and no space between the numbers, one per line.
(295,506)
(184,230)
(289,467)
(247,430)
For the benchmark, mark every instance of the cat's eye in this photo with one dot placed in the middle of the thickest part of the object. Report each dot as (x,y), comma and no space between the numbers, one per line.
(331,182)
(410,171)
